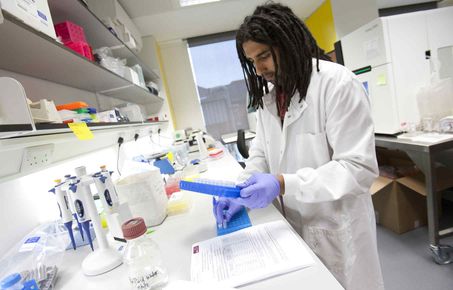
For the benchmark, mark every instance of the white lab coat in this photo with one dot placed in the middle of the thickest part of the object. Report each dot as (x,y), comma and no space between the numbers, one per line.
(325,151)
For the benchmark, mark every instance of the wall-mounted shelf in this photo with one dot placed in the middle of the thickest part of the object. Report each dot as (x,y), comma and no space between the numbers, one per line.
(27,51)
(96,32)
(59,128)
(64,143)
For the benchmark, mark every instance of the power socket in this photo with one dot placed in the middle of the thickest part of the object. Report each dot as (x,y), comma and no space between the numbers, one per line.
(36,157)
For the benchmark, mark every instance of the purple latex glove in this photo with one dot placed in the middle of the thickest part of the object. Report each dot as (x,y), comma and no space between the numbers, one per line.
(259,190)
(224,209)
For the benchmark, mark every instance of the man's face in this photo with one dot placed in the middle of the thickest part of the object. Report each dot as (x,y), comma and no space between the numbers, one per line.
(261,56)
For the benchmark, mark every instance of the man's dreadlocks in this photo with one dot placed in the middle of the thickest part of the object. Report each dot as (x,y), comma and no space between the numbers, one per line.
(277,26)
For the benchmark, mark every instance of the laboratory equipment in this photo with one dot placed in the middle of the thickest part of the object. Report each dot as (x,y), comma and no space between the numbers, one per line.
(164,165)
(104,258)
(145,194)
(35,14)
(238,222)
(35,255)
(42,277)
(211,187)
(80,198)
(12,282)
(201,146)
(446,124)
(63,205)
(143,258)
(116,213)
(394,57)
(44,111)
(178,202)
(15,109)
(68,179)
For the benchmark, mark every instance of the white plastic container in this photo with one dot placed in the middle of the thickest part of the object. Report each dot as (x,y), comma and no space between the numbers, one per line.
(145,194)
(34,13)
(142,257)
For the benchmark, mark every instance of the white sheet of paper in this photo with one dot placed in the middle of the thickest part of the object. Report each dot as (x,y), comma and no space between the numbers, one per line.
(249,255)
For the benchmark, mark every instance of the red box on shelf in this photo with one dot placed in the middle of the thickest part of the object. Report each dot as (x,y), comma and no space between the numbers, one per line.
(70,32)
(82,48)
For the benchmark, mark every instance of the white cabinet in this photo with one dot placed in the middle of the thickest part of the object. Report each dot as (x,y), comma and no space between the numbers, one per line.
(391,56)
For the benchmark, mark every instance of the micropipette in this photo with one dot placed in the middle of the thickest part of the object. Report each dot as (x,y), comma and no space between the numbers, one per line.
(65,211)
(68,180)
(78,194)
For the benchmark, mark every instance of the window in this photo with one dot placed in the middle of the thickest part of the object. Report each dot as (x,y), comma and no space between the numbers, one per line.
(220,83)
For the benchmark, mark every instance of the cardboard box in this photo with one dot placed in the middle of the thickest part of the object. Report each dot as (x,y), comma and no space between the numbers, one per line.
(400,203)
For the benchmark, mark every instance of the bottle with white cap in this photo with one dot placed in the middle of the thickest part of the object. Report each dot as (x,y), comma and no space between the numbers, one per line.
(142,256)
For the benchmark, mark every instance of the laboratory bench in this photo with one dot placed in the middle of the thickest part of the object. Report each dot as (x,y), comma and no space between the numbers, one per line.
(178,233)
(426,154)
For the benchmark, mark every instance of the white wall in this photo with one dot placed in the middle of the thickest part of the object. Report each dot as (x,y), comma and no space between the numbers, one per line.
(181,85)
(351,14)
(149,56)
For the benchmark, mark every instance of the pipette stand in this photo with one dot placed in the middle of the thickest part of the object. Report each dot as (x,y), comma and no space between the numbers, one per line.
(104,258)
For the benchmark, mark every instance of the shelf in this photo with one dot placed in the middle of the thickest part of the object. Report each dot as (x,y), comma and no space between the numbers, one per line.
(52,128)
(96,32)
(35,54)
(64,143)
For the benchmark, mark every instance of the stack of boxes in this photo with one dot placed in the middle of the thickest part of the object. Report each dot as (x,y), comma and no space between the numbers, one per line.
(73,37)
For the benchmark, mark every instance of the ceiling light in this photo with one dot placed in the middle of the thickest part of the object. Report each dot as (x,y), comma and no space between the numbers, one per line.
(184,3)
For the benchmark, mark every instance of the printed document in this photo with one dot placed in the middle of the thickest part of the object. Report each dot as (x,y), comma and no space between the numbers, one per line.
(249,255)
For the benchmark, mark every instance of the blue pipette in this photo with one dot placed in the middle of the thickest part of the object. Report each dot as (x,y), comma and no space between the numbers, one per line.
(65,211)
(80,207)
(69,180)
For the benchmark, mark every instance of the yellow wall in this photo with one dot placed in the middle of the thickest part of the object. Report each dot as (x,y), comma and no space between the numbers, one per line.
(321,25)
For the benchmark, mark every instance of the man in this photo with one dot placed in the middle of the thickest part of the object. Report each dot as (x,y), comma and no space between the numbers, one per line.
(314,145)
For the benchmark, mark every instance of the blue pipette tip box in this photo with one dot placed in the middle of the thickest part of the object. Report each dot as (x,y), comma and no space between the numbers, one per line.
(211,189)
(238,222)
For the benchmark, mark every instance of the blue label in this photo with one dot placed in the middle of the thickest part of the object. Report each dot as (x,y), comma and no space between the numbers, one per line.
(32,240)
(42,15)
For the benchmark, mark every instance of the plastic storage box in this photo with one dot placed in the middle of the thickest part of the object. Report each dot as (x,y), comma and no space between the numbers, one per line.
(82,48)
(70,32)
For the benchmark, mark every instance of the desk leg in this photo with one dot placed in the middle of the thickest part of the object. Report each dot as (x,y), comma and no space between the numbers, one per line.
(442,254)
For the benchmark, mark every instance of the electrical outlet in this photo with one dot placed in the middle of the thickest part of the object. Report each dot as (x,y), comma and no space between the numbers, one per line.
(155,129)
(36,157)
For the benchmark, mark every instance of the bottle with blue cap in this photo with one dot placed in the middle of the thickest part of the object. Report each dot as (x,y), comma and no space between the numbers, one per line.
(12,282)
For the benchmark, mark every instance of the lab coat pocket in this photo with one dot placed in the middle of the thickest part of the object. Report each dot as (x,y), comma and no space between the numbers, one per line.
(313,150)
(335,248)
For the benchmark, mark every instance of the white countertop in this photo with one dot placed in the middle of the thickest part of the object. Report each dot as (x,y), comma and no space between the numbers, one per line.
(176,236)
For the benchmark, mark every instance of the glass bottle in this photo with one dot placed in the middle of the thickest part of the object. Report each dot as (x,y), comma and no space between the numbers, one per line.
(143,258)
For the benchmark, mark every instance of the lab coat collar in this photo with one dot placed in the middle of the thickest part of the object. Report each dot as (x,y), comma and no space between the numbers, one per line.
(294,111)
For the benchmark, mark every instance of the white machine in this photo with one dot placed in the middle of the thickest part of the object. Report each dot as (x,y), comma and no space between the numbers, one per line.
(394,57)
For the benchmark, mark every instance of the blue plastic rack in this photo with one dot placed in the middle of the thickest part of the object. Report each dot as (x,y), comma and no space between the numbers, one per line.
(211,189)
(238,222)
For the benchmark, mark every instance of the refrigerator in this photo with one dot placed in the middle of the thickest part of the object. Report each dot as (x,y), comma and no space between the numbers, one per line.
(394,57)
